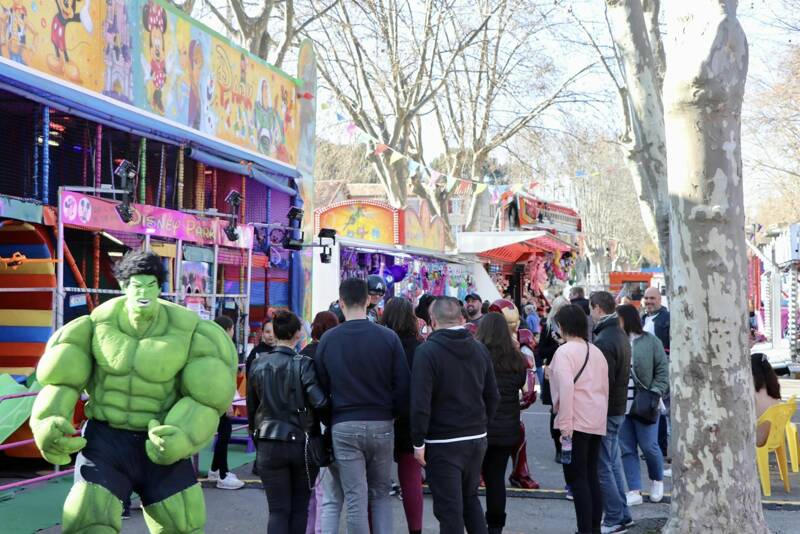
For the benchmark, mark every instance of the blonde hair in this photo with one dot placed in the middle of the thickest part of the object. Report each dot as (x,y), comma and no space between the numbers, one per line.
(557,304)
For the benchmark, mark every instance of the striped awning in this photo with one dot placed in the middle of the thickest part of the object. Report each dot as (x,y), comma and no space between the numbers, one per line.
(510,247)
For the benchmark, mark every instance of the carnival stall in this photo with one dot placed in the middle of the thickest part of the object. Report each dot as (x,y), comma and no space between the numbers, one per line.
(195,149)
(405,247)
(535,262)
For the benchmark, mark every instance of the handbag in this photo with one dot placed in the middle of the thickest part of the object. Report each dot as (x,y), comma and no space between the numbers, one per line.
(645,403)
(318,450)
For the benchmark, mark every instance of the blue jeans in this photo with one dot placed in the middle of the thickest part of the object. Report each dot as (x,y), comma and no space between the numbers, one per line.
(540,376)
(664,430)
(612,485)
(633,434)
(364,452)
(332,500)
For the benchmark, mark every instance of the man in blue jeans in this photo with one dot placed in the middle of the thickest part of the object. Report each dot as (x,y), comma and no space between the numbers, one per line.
(363,367)
(615,345)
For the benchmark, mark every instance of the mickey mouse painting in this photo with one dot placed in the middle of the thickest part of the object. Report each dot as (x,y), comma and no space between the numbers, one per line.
(67,13)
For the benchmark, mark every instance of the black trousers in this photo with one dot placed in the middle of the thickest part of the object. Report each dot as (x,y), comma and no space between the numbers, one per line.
(283,471)
(554,432)
(581,475)
(220,460)
(454,473)
(494,475)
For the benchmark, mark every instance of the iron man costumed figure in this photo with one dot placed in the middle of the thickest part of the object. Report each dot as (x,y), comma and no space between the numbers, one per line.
(520,475)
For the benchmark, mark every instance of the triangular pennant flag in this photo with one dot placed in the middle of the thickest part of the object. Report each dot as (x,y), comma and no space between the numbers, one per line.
(324,105)
(412,167)
(433,177)
(381,148)
(351,128)
(451,182)
(340,117)
(516,188)
(396,156)
(480,188)
(363,137)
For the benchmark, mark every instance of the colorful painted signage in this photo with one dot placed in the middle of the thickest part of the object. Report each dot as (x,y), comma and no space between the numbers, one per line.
(376,222)
(423,231)
(149,54)
(101,214)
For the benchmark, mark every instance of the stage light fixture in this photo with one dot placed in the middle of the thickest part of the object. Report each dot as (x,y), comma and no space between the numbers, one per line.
(325,255)
(295,214)
(126,172)
(327,233)
(290,243)
(233,199)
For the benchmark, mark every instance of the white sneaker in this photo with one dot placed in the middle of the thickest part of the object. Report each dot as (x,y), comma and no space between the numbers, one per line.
(230,482)
(634,498)
(613,529)
(213,476)
(668,472)
(656,490)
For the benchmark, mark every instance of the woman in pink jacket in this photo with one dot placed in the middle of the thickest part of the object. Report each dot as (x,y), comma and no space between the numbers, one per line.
(579,387)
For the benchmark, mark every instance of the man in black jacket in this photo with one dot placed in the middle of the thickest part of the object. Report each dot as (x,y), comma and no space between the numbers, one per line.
(616,347)
(453,396)
(363,367)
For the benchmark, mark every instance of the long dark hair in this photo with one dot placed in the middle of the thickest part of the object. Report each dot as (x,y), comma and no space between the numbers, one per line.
(493,332)
(764,375)
(632,323)
(398,315)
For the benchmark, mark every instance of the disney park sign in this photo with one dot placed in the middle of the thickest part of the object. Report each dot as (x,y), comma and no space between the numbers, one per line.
(98,213)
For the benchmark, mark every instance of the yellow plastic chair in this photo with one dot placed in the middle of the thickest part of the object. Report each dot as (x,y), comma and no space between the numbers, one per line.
(777,416)
(792,438)
(794,443)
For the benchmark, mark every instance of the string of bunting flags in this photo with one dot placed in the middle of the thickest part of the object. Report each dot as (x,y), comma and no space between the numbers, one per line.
(499,193)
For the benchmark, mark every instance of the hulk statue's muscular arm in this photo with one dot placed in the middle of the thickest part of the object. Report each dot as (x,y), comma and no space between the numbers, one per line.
(64,370)
(206,387)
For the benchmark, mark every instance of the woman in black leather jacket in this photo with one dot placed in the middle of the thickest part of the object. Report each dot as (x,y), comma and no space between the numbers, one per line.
(273,408)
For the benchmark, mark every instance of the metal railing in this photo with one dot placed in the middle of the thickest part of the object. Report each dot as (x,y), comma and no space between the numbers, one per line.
(5,446)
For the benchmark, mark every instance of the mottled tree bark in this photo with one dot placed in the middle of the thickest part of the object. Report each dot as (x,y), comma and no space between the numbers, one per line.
(715,481)
(640,52)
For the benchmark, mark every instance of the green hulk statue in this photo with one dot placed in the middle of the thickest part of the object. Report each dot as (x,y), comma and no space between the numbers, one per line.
(158,379)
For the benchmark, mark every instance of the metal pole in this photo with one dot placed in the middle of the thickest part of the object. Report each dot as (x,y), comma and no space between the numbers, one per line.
(214,275)
(46,156)
(59,293)
(246,306)
(793,303)
(147,242)
(178,272)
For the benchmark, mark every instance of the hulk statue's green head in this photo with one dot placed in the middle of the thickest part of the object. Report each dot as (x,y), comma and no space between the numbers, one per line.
(140,275)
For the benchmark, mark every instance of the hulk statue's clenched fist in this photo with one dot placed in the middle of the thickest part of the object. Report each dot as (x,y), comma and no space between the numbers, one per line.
(158,378)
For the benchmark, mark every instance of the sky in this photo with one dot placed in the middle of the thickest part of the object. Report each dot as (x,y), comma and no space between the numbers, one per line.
(768,42)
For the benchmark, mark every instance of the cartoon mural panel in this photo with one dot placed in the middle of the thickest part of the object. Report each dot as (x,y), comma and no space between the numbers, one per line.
(57,37)
(362,220)
(150,54)
(423,231)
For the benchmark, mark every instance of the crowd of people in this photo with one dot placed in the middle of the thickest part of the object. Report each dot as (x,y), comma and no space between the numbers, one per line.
(438,388)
